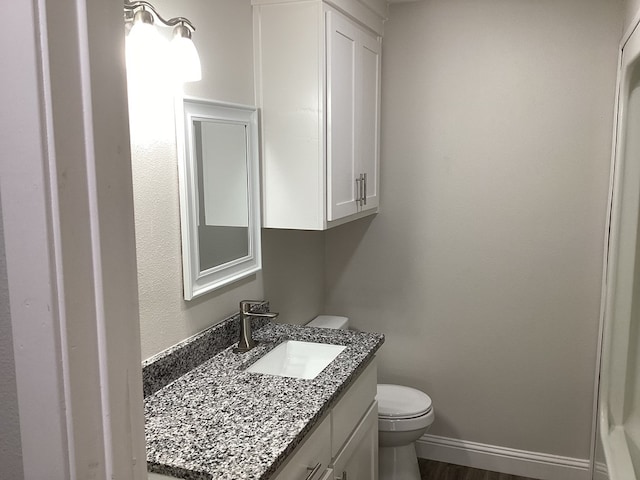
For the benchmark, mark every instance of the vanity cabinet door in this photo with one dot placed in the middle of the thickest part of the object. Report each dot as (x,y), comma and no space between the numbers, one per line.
(358,459)
(352,407)
(313,456)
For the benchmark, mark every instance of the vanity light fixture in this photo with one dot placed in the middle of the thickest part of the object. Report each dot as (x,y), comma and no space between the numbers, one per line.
(145,42)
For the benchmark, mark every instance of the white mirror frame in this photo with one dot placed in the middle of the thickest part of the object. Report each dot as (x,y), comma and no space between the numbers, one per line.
(198,282)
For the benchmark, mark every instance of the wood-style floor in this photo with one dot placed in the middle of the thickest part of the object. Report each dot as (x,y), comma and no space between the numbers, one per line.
(430,470)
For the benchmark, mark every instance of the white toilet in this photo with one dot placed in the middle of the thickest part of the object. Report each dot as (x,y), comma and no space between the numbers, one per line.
(404,415)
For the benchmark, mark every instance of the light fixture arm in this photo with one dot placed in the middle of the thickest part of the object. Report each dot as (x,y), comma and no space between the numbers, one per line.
(130,9)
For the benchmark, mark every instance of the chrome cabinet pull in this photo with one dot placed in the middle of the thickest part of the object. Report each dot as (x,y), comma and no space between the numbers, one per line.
(364,194)
(313,471)
(358,190)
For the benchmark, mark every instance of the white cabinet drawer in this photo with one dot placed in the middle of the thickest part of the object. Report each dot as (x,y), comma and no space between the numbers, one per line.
(353,405)
(313,451)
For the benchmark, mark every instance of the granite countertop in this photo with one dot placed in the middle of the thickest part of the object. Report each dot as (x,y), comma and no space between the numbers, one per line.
(217,421)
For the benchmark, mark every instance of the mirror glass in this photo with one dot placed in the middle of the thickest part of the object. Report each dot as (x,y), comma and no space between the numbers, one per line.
(219,194)
(223,211)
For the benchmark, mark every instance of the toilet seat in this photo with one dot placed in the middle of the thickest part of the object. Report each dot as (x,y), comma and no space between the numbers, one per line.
(401,402)
(403,409)
(421,423)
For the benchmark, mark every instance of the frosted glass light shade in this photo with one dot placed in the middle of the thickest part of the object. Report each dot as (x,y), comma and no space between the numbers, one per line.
(144,48)
(185,59)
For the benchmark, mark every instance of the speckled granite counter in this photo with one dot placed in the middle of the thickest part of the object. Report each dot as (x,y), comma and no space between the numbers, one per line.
(218,422)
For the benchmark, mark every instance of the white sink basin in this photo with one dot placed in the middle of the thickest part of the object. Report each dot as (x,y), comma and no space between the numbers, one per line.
(297,359)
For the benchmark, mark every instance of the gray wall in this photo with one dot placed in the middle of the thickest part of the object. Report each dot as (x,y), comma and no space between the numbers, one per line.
(10,445)
(483,267)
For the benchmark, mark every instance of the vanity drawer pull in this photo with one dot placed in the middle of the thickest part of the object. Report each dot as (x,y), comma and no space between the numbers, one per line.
(313,471)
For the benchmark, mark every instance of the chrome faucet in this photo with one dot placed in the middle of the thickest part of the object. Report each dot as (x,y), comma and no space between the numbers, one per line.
(246,341)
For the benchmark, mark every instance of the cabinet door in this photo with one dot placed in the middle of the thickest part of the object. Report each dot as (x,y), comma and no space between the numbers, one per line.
(358,459)
(312,458)
(368,117)
(342,52)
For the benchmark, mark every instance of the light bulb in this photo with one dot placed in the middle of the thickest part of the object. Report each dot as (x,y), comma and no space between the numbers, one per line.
(144,46)
(184,56)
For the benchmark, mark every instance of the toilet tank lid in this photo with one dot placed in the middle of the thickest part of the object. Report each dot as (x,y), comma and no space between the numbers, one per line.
(329,321)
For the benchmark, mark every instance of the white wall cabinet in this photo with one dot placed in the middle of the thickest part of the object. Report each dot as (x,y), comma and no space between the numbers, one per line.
(317,68)
(345,444)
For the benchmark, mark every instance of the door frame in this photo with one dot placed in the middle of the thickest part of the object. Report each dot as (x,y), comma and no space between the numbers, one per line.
(67,214)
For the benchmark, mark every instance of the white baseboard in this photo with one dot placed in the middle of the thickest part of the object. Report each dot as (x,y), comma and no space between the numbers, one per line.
(501,459)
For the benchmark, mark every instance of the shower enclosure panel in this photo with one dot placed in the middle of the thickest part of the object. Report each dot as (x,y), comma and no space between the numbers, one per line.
(619,410)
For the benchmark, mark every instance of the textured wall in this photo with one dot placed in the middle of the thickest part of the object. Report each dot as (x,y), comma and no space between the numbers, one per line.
(484,266)
(224,39)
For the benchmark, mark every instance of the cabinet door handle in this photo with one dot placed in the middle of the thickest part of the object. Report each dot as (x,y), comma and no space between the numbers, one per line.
(313,471)
(364,194)
(359,190)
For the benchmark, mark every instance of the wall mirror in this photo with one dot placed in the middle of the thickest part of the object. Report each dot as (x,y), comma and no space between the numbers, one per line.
(219,193)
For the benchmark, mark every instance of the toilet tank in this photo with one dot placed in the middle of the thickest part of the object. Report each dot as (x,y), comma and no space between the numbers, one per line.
(329,321)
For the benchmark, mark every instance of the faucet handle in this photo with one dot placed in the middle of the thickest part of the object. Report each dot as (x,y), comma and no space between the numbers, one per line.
(246,305)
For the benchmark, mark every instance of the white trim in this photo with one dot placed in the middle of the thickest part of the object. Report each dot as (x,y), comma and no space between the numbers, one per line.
(501,459)
(97,274)
(197,281)
(30,257)
(73,310)
(55,232)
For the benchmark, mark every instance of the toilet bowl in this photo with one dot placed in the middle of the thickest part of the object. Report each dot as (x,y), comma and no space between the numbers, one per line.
(404,415)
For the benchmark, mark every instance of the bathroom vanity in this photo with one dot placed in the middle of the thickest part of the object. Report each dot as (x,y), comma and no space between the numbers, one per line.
(219,421)
(345,443)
